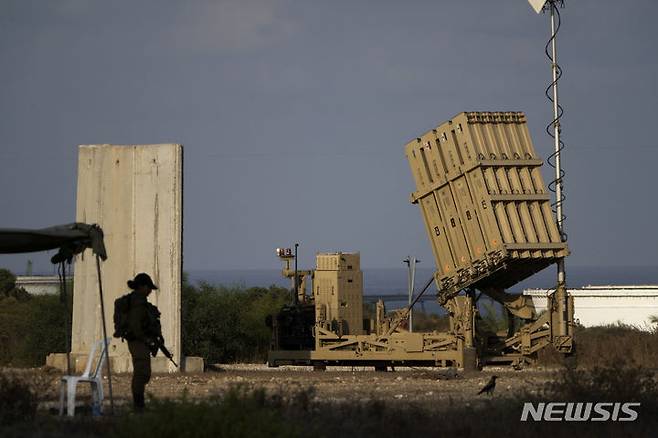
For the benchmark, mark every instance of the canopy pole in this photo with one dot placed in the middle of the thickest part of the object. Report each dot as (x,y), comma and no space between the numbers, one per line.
(107,350)
(67,321)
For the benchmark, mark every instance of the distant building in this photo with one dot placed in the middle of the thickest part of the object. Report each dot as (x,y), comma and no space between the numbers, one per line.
(41,284)
(603,305)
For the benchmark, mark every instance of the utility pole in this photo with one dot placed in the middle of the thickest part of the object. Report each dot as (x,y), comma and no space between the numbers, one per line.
(296,278)
(411,281)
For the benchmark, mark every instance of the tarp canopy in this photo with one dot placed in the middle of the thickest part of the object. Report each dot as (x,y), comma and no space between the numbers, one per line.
(70,239)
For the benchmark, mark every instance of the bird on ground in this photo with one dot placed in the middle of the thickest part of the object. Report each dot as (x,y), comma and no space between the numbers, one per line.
(490,386)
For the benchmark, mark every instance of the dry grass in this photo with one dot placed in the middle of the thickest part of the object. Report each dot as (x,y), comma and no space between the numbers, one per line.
(299,412)
(610,345)
(18,401)
(617,343)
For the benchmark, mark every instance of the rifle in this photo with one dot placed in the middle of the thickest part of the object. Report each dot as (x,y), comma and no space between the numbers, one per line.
(158,344)
(167,354)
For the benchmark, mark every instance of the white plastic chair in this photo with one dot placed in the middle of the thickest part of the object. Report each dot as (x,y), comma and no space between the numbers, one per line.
(69,383)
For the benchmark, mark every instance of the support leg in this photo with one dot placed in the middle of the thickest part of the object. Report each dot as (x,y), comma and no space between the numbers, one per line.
(62,396)
(70,392)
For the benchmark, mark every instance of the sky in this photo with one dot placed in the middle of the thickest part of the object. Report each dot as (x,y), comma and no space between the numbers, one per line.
(294,114)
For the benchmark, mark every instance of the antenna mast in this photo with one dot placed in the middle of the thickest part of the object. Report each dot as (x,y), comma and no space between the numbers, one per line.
(554,130)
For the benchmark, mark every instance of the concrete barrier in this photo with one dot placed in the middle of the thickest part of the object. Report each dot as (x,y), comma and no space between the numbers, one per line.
(135,193)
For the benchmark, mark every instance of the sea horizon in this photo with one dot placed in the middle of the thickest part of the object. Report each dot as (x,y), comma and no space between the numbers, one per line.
(389,281)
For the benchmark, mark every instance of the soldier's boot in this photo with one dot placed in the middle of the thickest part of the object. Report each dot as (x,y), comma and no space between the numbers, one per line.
(138,402)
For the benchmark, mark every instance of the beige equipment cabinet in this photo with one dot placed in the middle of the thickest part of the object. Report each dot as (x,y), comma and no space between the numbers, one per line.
(337,289)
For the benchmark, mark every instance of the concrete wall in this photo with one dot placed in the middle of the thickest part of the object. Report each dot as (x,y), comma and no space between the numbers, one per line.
(135,193)
(603,305)
(41,284)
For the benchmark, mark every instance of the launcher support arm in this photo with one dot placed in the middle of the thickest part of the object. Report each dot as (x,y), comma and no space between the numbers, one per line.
(518,305)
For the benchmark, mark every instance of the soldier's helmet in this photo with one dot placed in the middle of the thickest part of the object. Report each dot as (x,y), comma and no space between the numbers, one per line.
(141,279)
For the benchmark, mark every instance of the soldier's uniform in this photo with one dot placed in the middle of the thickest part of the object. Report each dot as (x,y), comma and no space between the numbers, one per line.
(145,332)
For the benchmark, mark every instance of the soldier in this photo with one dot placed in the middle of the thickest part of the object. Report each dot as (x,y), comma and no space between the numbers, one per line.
(145,334)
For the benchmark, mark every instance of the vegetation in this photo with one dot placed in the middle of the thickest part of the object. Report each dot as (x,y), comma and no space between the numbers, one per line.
(239,413)
(614,382)
(227,324)
(299,412)
(8,287)
(492,317)
(221,324)
(609,345)
(40,321)
(427,322)
(18,402)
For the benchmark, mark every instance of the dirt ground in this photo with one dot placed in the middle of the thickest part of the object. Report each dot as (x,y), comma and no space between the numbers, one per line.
(407,385)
